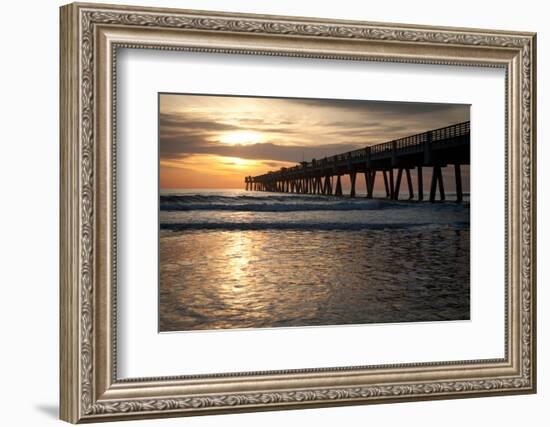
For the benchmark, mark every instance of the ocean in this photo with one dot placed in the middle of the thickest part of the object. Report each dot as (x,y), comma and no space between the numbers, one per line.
(243,259)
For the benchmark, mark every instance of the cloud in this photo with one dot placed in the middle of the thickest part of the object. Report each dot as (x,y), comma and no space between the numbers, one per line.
(171,121)
(386,108)
(271,164)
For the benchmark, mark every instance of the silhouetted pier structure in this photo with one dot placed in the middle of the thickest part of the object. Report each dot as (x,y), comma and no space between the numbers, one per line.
(436,148)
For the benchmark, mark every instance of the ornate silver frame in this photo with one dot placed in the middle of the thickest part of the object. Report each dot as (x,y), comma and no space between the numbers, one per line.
(90,36)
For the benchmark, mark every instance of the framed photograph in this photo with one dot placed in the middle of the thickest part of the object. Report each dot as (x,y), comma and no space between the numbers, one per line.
(266,212)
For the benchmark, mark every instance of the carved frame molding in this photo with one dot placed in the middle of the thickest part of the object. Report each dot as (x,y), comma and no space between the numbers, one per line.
(90,37)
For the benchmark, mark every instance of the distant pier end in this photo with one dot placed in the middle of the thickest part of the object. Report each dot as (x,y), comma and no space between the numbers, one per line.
(436,149)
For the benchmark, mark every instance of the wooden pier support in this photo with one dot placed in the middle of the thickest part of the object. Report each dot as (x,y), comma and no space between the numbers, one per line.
(386,185)
(397,184)
(420,179)
(458,183)
(352,177)
(392,188)
(437,181)
(370,176)
(433,185)
(338,191)
(441,189)
(328,185)
(409,184)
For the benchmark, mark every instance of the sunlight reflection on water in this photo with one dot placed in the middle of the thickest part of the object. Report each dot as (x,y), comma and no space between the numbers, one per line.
(212,279)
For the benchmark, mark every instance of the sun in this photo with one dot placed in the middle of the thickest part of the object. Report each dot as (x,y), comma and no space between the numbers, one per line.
(237,162)
(241,138)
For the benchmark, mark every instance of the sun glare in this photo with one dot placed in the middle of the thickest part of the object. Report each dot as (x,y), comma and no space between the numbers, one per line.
(237,161)
(241,138)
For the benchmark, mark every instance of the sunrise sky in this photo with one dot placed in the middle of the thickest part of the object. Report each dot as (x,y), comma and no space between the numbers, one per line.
(215,141)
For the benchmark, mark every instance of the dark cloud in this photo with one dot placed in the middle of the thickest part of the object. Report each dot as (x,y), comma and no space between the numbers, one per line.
(387,108)
(170,121)
(183,143)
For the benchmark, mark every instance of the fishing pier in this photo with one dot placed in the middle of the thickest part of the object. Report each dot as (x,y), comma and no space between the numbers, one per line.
(393,160)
